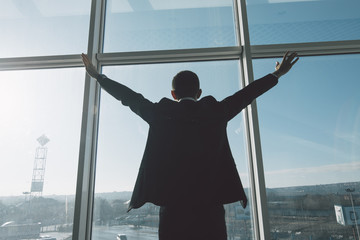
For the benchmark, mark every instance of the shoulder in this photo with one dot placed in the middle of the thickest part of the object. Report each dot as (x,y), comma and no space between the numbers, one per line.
(208,100)
(166,101)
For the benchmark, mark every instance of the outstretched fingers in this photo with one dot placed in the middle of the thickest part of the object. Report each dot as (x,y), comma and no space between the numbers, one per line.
(289,58)
(85,59)
(90,68)
(294,61)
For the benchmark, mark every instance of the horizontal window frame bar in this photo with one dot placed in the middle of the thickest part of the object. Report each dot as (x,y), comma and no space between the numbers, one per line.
(170,56)
(182,55)
(306,49)
(42,62)
(122,58)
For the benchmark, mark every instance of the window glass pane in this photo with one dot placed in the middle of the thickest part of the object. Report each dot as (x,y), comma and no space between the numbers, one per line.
(162,25)
(295,21)
(39,145)
(122,138)
(41,27)
(310,131)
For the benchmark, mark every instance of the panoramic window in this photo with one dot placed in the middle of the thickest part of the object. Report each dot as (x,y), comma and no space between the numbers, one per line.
(122,138)
(309,122)
(39,141)
(164,25)
(310,139)
(37,27)
(297,21)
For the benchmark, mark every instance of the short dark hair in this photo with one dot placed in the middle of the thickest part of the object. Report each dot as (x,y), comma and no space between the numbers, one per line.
(185,84)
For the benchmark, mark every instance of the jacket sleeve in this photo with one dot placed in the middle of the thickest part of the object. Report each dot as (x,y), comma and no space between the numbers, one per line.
(237,102)
(137,103)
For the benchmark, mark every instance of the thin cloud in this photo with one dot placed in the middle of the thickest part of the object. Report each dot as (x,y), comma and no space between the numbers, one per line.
(310,144)
(343,167)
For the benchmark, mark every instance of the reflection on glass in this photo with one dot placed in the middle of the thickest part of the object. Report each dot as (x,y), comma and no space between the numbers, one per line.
(121,142)
(39,140)
(37,28)
(310,133)
(296,21)
(162,25)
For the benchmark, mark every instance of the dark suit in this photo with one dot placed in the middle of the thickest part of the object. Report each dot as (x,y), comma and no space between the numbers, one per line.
(187,159)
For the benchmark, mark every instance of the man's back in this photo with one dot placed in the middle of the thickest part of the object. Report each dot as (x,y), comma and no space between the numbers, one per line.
(187,156)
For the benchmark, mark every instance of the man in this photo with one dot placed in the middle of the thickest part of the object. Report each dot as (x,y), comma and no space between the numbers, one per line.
(187,167)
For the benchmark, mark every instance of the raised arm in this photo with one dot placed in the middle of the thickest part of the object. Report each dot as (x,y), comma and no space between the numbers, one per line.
(138,104)
(235,103)
(117,90)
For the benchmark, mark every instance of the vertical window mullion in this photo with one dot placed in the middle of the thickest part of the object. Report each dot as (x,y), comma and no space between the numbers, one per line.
(257,178)
(86,168)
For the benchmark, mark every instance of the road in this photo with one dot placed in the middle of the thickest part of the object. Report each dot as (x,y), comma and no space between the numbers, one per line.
(132,233)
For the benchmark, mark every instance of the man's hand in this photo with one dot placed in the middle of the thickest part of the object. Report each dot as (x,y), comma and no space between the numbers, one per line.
(286,64)
(90,68)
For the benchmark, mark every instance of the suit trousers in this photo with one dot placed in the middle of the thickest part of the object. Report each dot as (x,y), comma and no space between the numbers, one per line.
(192,223)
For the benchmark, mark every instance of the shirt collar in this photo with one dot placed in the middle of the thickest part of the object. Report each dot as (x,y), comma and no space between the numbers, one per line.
(187,98)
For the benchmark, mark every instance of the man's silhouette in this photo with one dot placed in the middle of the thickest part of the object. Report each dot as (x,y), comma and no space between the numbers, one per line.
(187,167)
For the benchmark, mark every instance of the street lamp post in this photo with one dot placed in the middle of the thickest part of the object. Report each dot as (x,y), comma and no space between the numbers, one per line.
(350,191)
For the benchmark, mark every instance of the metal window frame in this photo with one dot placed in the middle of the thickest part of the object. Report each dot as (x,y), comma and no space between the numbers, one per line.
(252,133)
(203,54)
(170,56)
(85,188)
(244,52)
(307,49)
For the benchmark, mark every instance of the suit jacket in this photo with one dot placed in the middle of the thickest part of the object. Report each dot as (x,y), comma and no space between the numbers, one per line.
(187,158)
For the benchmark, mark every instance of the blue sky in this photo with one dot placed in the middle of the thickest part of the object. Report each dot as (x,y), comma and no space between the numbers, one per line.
(309,123)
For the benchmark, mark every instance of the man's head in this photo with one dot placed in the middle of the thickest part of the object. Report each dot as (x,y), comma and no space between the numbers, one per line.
(185,84)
